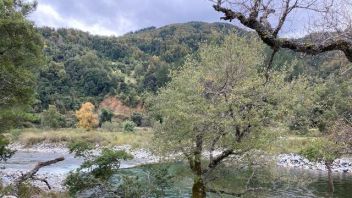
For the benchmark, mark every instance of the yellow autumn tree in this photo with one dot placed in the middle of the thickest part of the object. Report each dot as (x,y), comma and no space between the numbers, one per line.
(86,117)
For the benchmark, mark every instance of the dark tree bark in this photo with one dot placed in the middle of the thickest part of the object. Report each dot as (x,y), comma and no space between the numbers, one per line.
(198,189)
(269,35)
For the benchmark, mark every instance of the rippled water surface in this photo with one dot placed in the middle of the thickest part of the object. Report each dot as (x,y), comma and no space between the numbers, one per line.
(279,182)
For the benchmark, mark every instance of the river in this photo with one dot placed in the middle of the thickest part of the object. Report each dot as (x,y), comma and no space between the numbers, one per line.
(282,182)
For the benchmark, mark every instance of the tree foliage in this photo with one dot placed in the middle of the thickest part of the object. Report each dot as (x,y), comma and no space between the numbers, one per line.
(128,126)
(105,116)
(84,67)
(137,118)
(20,57)
(52,118)
(87,118)
(219,102)
(96,170)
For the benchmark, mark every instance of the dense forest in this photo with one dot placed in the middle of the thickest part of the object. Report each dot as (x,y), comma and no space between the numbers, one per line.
(82,67)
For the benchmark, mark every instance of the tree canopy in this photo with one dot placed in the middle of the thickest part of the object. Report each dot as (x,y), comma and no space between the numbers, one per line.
(20,57)
(219,105)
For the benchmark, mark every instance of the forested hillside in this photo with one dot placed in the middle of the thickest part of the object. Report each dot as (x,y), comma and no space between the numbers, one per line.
(82,67)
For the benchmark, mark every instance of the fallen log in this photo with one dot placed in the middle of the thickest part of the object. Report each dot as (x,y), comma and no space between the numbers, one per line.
(31,174)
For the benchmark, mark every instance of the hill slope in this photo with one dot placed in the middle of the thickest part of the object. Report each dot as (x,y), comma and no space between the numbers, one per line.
(83,67)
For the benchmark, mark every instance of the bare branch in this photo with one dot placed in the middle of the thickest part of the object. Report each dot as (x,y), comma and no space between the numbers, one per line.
(255,9)
(42,180)
(213,144)
(218,159)
(286,11)
(270,36)
(213,163)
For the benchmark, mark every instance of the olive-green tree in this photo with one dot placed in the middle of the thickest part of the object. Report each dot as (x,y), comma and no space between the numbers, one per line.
(96,170)
(335,142)
(219,103)
(325,150)
(20,57)
(52,118)
(105,116)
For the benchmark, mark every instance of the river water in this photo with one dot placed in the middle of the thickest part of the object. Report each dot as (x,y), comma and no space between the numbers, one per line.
(279,182)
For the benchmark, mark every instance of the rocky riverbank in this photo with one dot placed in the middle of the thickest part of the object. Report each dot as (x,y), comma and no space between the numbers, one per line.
(342,165)
(27,157)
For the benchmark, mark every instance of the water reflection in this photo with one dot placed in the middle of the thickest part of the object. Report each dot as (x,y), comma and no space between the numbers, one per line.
(277,182)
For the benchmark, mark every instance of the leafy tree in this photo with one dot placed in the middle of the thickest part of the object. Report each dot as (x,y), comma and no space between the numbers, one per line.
(137,118)
(326,150)
(332,102)
(20,57)
(105,116)
(327,103)
(218,101)
(52,118)
(86,116)
(95,170)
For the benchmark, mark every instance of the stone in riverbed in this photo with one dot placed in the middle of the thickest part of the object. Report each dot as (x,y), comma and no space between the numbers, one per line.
(344,164)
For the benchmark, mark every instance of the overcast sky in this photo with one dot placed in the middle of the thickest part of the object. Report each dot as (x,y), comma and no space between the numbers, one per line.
(116,17)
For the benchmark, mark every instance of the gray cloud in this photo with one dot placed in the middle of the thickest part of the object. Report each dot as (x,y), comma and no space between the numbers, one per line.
(116,17)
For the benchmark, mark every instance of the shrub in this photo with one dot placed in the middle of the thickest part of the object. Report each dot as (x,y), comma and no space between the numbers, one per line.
(15,134)
(105,116)
(128,126)
(321,150)
(137,118)
(95,170)
(70,119)
(52,118)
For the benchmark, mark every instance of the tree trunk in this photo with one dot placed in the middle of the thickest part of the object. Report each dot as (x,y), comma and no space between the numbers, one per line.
(198,189)
(330,178)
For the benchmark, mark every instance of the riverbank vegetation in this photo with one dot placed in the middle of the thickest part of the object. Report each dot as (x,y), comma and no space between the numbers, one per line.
(140,138)
(28,191)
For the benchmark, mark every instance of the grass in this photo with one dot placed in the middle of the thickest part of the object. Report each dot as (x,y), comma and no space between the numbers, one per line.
(290,144)
(141,138)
